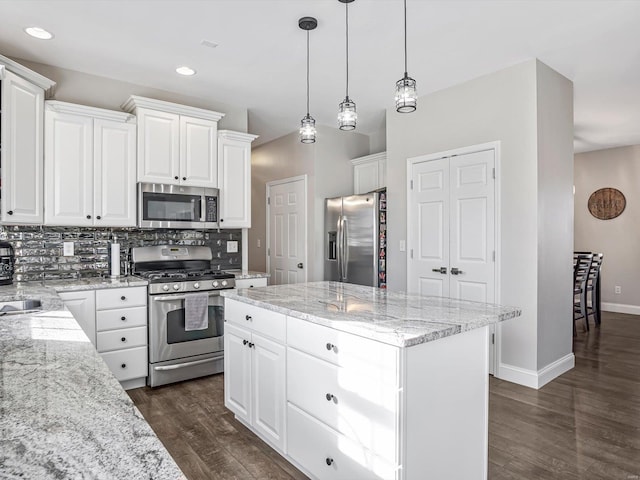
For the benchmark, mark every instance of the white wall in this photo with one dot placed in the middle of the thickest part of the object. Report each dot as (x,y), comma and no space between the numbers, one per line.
(102,92)
(500,107)
(329,171)
(617,238)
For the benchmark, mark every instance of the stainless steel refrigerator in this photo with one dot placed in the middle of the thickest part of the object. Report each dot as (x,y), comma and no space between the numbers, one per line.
(356,239)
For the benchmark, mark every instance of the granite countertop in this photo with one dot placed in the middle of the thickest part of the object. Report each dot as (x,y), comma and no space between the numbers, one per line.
(395,318)
(62,412)
(242,274)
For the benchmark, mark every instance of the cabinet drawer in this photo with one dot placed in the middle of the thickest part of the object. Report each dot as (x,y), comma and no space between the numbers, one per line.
(361,407)
(119,339)
(127,364)
(265,322)
(121,297)
(328,455)
(251,282)
(344,349)
(121,318)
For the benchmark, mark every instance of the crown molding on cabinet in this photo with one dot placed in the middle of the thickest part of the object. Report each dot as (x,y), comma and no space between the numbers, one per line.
(136,101)
(240,136)
(369,158)
(74,109)
(41,81)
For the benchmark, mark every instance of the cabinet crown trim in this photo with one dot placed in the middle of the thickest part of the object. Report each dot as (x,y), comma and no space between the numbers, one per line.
(136,101)
(231,135)
(369,158)
(93,112)
(41,81)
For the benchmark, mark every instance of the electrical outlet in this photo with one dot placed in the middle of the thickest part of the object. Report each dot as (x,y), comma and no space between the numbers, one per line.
(67,249)
(259,243)
(618,289)
(403,246)
(232,246)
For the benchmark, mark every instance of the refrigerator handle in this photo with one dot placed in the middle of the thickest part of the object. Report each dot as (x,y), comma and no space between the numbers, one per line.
(339,247)
(345,248)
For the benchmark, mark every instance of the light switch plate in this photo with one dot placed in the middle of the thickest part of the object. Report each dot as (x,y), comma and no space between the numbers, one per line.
(232,246)
(403,246)
(67,249)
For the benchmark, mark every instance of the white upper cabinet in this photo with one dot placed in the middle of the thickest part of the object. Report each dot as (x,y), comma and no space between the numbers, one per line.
(234,176)
(89,166)
(177,144)
(369,173)
(21,136)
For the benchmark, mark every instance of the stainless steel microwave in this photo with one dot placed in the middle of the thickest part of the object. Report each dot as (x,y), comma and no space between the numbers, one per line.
(176,206)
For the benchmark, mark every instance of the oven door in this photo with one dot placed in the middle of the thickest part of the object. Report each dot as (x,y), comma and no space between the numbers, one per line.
(168,339)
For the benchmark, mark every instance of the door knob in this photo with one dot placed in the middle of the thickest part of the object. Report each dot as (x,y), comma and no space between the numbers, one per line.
(455,271)
(300,265)
(442,270)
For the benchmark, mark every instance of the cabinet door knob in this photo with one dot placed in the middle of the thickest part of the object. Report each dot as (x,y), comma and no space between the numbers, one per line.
(88,217)
(247,318)
(244,342)
(330,397)
(98,217)
(251,345)
(330,346)
(123,318)
(124,365)
(123,339)
(184,178)
(10,212)
(329,461)
(176,177)
(123,298)
(222,219)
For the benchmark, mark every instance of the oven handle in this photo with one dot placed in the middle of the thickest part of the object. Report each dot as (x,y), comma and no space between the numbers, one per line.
(187,364)
(169,298)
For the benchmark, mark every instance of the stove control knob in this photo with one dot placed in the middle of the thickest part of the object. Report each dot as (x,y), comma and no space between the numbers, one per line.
(176,286)
(215,284)
(196,285)
(165,288)
(224,283)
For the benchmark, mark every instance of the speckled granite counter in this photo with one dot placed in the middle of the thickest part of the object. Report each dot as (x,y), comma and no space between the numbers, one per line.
(246,274)
(62,413)
(395,318)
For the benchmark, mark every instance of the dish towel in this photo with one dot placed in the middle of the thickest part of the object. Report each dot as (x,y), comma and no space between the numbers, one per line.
(196,311)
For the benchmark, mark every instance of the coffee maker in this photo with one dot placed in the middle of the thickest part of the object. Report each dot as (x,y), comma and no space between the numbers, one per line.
(6,263)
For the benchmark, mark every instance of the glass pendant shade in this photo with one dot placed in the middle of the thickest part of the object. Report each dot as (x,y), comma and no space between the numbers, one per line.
(406,94)
(308,129)
(347,115)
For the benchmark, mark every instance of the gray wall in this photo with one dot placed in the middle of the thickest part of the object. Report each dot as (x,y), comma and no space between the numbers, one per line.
(329,171)
(102,92)
(618,238)
(500,107)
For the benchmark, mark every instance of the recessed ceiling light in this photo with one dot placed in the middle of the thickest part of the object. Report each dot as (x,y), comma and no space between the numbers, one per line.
(186,71)
(38,32)
(208,43)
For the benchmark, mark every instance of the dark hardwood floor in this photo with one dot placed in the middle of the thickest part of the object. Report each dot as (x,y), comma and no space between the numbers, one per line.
(583,425)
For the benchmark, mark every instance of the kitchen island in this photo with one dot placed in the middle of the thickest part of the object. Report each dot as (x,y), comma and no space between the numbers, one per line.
(351,382)
(62,412)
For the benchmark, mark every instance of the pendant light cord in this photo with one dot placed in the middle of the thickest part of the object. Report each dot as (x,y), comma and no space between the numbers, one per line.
(307,73)
(405,38)
(346,6)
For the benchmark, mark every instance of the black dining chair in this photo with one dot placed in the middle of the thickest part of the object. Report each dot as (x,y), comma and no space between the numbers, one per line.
(593,288)
(581,270)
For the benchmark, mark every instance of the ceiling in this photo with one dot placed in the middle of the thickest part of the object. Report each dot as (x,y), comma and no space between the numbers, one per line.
(260,61)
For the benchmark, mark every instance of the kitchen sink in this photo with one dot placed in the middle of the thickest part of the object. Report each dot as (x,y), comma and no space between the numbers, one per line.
(17,307)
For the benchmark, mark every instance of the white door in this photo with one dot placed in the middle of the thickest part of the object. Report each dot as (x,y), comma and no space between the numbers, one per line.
(451,227)
(68,163)
(83,307)
(115,173)
(158,147)
(22,146)
(234,177)
(268,389)
(198,152)
(286,248)
(237,367)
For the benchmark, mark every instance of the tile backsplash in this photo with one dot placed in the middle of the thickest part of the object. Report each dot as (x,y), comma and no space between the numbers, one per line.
(39,250)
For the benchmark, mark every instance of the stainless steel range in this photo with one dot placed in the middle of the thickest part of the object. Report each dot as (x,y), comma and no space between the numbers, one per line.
(180,277)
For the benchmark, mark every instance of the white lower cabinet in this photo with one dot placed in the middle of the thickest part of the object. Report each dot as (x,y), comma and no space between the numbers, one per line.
(115,320)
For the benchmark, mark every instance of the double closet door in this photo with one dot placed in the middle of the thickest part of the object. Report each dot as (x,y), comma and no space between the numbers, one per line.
(451,227)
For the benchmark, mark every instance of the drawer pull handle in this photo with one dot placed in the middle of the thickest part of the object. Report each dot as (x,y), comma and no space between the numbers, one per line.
(123,339)
(123,298)
(123,319)
(124,365)
(244,342)
(247,318)
(329,461)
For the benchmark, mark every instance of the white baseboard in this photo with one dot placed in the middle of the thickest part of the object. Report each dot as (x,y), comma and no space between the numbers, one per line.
(533,379)
(620,308)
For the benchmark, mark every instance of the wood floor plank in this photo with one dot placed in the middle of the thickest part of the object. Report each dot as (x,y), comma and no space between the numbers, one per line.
(584,425)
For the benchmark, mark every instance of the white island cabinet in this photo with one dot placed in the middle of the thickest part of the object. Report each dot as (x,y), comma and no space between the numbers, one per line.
(379,385)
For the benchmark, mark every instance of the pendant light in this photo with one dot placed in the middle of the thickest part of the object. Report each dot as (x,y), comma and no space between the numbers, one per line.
(347,115)
(406,94)
(307,124)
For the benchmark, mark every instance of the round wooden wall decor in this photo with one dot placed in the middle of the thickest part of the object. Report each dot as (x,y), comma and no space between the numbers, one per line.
(607,203)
